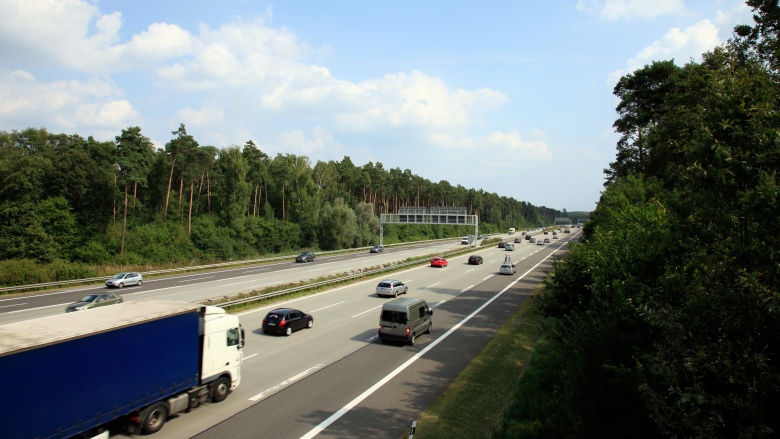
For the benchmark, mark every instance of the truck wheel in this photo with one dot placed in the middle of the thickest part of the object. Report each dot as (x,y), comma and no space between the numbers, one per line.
(155,418)
(221,389)
(288,332)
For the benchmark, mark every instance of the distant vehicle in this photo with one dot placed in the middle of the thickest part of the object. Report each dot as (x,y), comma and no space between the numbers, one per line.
(464,240)
(94,301)
(377,249)
(545,232)
(510,247)
(511,230)
(391,288)
(475,260)
(122,280)
(305,257)
(539,241)
(522,233)
(518,240)
(286,321)
(501,244)
(555,234)
(507,269)
(532,240)
(547,240)
(438,261)
(566,229)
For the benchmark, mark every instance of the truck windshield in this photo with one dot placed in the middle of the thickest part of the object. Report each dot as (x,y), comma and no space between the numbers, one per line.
(394,316)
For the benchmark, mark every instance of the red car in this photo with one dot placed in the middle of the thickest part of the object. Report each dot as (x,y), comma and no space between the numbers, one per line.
(438,262)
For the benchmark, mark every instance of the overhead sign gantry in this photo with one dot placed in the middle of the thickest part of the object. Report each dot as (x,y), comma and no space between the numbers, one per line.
(448,216)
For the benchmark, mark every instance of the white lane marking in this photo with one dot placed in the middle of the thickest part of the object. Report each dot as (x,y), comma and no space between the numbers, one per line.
(245,282)
(342,411)
(488,277)
(332,304)
(467,288)
(250,356)
(372,309)
(196,279)
(39,307)
(429,286)
(285,383)
(468,271)
(16,304)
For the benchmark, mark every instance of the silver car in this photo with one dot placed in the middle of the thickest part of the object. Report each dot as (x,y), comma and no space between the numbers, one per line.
(94,301)
(509,269)
(391,288)
(122,280)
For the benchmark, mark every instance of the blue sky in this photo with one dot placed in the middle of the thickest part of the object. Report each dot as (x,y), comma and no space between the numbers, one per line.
(512,97)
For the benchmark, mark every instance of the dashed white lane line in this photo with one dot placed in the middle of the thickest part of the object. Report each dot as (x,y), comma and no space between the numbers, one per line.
(284,383)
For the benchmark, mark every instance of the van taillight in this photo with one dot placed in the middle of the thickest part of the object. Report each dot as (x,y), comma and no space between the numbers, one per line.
(408,331)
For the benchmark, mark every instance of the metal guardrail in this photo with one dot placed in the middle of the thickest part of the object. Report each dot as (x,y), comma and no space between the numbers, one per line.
(199,267)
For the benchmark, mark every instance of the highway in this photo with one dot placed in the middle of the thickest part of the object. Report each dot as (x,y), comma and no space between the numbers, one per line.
(337,379)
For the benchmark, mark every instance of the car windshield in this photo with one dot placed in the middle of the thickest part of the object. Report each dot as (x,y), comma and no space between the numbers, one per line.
(89,298)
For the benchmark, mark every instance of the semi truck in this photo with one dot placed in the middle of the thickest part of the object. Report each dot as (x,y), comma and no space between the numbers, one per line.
(130,365)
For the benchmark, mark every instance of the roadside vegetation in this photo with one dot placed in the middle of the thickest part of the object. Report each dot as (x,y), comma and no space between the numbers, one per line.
(663,320)
(75,207)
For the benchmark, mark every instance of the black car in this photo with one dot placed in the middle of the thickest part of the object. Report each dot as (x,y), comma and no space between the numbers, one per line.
(501,244)
(286,321)
(475,260)
(377,249)
(305,257)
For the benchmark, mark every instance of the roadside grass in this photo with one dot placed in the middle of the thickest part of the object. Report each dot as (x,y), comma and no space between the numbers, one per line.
(504,391)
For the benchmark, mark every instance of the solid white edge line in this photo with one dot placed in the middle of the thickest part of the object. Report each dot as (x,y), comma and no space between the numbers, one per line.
(341,412)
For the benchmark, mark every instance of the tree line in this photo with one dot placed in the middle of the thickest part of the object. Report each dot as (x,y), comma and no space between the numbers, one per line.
(666,312)
(66,198)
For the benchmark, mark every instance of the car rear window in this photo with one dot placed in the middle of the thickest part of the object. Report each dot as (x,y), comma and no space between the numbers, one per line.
(384,285)
(394,316)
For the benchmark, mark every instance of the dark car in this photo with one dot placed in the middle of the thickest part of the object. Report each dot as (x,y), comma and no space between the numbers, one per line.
(501,244)
(518,240)
(94,301)
(305,257)
(475,260)
(286,321)
(377,249)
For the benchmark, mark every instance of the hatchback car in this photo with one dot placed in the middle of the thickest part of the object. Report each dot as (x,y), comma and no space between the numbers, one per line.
(507,269)
(391,288)
(438,261)
(475,260)
(377,249)
(518,240)
(94,301)
(122,280)
(510,247)
(539,241)
(286,321)
(305,257)
(501,244)
(547,240)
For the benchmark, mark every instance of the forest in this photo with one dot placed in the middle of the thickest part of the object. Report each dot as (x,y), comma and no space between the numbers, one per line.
(666,313)
(70,205)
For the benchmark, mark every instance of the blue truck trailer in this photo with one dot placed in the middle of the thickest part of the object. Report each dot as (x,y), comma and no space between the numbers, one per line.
(133,364)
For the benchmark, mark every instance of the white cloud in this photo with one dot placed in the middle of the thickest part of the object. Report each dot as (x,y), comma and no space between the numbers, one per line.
(62,105)
(510,145)
(624,9)
(680,45)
